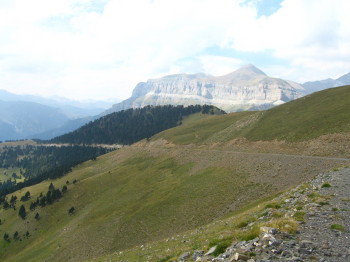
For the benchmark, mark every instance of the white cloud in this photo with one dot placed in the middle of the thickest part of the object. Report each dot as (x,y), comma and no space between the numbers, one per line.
(90,48)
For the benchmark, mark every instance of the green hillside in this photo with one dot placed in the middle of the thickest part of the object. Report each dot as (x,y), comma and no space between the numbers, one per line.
(309,117)
(324,112)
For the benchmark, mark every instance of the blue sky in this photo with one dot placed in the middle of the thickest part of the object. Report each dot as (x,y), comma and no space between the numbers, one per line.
(99,49)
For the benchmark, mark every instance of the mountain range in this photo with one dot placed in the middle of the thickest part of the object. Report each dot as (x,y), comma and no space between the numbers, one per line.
(247,88)
(71,108)
(314,86)
(29,116)
(20,119)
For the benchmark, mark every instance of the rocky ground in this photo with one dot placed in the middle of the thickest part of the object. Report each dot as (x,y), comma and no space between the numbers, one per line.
(322,209)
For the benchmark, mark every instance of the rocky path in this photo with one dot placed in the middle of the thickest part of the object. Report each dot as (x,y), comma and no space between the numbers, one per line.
(327,223)
(322,209)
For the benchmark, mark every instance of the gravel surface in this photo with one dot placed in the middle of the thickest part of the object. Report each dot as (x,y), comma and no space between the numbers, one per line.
(329,244)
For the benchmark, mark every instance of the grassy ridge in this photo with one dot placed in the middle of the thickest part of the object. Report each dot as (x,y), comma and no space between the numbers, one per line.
(317,114)
(321,113)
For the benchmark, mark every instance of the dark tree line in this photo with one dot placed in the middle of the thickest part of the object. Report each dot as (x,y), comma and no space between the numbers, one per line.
(52,195)
(129,126)
(43,162)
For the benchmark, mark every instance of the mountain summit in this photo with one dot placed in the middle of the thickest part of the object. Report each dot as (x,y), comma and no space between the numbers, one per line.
(247,88)
(248,71)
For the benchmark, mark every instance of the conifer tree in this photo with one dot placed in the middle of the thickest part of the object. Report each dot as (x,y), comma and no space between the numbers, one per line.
(22,212)
(71,211)
(6,237)
(15,235)
(51,187)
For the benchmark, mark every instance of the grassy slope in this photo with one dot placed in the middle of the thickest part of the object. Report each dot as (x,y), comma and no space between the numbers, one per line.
(202,129)
(324,112)
(6,173)
(142,199)
(320,113)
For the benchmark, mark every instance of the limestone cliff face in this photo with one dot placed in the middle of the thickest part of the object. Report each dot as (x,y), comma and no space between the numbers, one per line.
(248,88)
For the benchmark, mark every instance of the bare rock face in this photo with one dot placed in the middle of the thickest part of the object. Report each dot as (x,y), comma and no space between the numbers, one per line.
(247,88)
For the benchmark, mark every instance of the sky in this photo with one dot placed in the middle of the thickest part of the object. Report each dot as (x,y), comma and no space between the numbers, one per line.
(100,49)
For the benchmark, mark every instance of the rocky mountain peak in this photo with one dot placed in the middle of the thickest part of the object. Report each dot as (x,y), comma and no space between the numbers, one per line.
(247,88)
(250,69)
(246,73)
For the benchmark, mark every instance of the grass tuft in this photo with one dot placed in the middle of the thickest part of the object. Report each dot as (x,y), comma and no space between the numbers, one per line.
(250,234)
(164,259)
(273,205)
(299,216)
(325,185)
(337,227)
(284,225)
(221,245)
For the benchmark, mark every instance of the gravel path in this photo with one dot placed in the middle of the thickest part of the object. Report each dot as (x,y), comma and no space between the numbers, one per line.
(329,244)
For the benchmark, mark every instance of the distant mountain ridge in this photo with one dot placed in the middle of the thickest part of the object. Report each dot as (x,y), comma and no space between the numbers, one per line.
(247,88)
(31,116)
(20,119)
(314,86)
(71,108)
